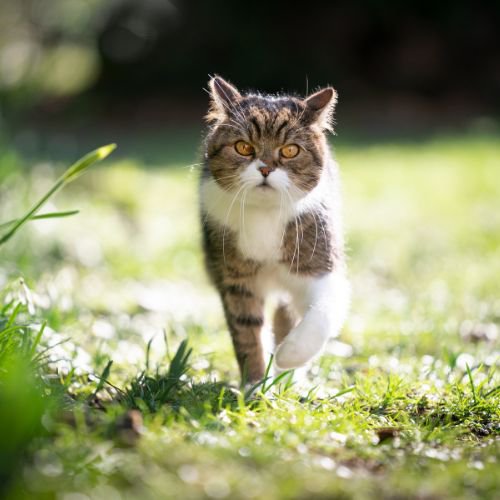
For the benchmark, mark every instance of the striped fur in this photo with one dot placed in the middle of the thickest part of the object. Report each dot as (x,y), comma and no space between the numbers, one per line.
(276,233)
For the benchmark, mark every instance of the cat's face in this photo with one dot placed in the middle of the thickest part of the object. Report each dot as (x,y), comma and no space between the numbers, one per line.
(268,146)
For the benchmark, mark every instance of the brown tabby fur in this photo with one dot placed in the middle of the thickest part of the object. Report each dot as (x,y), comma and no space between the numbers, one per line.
(312,244)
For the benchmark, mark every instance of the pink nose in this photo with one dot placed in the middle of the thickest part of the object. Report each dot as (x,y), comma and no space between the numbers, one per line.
(265,171)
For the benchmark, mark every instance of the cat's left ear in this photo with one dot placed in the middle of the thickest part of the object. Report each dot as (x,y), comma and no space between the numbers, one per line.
(320,107)
(223,96)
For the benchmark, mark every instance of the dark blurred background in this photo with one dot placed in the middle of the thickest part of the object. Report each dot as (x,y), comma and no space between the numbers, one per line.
(73,69)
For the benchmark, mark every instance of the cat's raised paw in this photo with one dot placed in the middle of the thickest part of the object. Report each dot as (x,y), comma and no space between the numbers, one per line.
(291,355)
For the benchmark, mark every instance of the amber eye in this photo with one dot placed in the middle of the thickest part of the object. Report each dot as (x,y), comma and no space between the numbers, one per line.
(243,148)
(290,151)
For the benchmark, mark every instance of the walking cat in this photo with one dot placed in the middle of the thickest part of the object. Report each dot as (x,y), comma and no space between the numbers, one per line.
(270,211)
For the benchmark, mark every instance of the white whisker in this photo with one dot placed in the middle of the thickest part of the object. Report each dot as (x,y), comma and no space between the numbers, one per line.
(227,220)
(315,234)
(297,244)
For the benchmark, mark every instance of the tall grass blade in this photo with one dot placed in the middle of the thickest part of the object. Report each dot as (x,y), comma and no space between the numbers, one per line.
(14,314)
(471,381)
(103,378)
(70,175)
(37,340)
(179,364)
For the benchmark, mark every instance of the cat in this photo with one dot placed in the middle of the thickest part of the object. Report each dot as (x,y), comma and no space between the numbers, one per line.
(271,223)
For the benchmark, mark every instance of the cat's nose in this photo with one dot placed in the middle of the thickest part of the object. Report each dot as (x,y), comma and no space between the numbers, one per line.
(265,170)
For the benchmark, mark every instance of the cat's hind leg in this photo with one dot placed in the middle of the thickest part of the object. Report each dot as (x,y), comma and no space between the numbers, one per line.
(284,320)
(325,303)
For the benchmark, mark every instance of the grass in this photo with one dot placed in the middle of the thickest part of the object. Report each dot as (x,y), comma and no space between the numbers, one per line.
(117,377)
(73,172)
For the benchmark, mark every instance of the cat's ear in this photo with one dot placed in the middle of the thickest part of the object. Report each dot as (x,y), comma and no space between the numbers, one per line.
(224,97)
(320,107)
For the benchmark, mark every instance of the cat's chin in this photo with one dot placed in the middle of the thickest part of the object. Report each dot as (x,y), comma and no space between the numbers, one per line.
(263,194)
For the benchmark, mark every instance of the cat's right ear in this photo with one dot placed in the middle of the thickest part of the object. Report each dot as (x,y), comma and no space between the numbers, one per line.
(224,97)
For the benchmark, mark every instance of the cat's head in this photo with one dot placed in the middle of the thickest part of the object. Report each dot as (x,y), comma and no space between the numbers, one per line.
(265,144)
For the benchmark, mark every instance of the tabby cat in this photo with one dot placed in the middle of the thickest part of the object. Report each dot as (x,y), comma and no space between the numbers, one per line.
(270,211)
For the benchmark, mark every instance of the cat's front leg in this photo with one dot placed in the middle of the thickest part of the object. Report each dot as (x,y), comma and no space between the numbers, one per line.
(325,301)
(244,310)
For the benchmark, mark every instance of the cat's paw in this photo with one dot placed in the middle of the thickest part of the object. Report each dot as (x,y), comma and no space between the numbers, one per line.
(301,345)
(290,355)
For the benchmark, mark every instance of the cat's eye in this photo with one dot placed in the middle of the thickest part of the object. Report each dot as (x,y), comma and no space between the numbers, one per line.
(244,149)
(289,151)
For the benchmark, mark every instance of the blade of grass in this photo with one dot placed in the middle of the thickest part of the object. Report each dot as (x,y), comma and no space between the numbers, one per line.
(342,392)
(493,391)
(49,215)
(107,382)
(473,387)
(252,389)
(278,379)
(179,364)
(37,340)
(220,399)
(103,378)
(13,315)
(6,307)
(40,356)
(70,175)
(10,329)
(148,353)
(262,383)
(266,374)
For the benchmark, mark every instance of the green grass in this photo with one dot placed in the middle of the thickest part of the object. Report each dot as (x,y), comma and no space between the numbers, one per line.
(108,400)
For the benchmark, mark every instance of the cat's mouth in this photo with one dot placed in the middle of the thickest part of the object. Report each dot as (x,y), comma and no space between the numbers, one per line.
(264,185)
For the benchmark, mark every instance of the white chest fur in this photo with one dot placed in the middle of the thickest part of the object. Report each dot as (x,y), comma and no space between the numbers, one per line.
(261,233)
(258,219)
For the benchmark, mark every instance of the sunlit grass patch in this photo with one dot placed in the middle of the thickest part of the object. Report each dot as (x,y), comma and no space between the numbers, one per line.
(405,405)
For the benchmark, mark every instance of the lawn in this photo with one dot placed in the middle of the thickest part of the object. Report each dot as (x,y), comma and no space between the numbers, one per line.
(117,377)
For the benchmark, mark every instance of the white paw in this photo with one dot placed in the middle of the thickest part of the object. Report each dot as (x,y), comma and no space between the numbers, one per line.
(291,354)
(303,343)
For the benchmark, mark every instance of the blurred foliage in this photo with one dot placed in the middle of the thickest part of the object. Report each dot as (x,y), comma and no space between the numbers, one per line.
(48,48)
(408,61)
(25,395)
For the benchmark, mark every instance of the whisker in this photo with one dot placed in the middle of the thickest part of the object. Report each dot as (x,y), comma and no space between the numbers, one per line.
(242,214)
(315,234)
(299,219)
(284,222)
(191,167)
(296,249)
(228,213)
(230,176)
